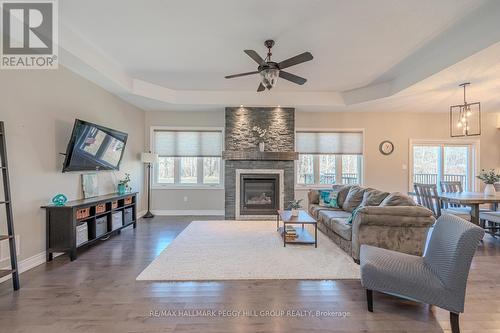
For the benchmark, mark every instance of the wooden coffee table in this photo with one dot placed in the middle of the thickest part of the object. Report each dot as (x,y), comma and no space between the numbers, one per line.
(303,218)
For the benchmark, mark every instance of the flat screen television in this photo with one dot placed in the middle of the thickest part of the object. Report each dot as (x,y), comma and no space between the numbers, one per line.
(94,147)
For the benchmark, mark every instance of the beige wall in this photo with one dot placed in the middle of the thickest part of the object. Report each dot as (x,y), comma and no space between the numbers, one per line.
(383,172)
(203,200)
(39,108)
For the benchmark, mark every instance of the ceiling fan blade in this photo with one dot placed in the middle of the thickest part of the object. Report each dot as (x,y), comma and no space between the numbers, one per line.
(261,87)
(241,74)
(255,56)
(292,77)
(298,59)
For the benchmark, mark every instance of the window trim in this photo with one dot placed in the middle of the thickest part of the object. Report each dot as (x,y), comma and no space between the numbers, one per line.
(474,158)
(178,186)
(303,187)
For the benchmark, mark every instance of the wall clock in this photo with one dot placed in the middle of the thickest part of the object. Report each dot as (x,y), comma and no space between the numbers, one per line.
(386,147)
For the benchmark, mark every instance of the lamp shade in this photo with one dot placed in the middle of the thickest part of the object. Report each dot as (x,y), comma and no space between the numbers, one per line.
(149,157)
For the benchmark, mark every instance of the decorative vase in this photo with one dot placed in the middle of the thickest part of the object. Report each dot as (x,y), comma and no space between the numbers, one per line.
(489,190)
(121,189)
(295,212)
(59,200)
(262,145)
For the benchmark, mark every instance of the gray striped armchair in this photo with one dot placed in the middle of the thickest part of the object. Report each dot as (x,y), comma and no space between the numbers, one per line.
(438,278)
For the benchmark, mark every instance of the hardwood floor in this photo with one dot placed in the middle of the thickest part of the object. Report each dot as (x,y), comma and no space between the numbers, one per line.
(98,293)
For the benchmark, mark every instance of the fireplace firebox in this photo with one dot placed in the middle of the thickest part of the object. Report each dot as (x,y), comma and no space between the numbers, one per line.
(259,194)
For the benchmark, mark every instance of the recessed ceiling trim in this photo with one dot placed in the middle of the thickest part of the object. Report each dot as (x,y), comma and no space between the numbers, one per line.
(473,33)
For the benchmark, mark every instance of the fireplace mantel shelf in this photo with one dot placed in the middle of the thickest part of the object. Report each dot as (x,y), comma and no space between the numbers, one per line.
(255,155)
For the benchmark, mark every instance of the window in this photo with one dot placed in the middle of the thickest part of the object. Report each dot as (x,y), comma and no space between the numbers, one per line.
(441,161)
(187,157)
(327,158)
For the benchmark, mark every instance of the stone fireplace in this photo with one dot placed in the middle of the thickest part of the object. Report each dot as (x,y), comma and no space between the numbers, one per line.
(258,183)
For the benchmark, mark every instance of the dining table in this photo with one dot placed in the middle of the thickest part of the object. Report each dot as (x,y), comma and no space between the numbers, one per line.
(472,200)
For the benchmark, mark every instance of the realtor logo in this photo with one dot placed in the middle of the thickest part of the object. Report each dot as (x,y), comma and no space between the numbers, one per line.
(29,35)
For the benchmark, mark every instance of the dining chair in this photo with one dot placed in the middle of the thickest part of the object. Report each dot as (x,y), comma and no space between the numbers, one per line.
(490,220)
(438,278)
(453,208)
(451,186)
(427,196)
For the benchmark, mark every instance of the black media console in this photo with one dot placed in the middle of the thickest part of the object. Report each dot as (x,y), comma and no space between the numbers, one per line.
(82,222)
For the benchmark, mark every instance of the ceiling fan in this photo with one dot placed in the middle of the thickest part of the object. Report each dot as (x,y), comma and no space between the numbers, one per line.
(270,70)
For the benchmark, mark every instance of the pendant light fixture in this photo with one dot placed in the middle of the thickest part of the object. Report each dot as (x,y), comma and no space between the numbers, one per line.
(465,119)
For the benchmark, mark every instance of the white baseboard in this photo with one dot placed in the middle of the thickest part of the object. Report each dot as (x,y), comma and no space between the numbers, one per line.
(141,213)
(29,263)
(188,212)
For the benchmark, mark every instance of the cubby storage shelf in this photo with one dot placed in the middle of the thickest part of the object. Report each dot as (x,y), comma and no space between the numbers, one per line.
(61,226)
(109,233)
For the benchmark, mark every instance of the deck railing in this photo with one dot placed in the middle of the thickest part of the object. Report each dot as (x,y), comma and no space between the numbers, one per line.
(329,178)
(431,178)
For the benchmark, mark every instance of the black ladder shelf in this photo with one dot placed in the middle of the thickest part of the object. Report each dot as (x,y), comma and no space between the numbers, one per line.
(8,209)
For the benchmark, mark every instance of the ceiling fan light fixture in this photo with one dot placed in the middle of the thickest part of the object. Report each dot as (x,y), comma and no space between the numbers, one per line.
(269,77)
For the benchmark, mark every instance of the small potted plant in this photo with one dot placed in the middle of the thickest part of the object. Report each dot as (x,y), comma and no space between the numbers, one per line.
(294,206)
(489,177)
(123,185)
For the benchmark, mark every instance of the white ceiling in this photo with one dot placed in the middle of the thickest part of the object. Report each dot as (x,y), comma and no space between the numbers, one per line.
(178,52)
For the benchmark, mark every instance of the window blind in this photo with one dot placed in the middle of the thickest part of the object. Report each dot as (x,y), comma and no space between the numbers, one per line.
(177,143)
(342,143)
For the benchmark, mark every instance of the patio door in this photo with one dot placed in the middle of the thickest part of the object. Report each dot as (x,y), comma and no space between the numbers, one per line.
(434,162)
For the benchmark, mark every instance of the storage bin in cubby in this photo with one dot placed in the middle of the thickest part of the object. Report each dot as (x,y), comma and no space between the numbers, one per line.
(100,208)
(82,233)
(101,226)
(128,215)
(82,213)
(117,220)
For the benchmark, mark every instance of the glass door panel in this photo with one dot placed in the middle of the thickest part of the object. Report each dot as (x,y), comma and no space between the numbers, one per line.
(456,164)
(426,164)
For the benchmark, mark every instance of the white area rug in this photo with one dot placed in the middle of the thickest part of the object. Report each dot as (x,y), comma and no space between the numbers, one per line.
(246,250)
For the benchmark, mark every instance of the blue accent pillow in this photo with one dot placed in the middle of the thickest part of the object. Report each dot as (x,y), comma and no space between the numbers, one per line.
(329,198)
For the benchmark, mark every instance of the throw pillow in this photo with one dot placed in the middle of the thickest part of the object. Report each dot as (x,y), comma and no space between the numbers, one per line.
(373,197)
(328,198)
(398,199)
(354,198)
(313,196)
(343,191)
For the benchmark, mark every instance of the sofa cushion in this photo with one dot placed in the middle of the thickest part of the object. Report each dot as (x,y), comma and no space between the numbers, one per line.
(343,191)
(373,197)
(328,198)
(397,199)
(354,198)
(336,221)
(315,209)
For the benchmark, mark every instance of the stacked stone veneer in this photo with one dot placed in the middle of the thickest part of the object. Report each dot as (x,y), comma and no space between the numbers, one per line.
(239,136)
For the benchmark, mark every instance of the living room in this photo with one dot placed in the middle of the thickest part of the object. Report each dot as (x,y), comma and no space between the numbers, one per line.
(331,186)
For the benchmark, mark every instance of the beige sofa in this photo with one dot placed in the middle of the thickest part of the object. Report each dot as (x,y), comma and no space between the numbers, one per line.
(388,220)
